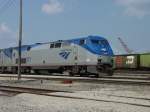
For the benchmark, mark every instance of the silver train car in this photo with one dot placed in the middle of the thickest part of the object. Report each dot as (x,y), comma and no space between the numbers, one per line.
(91,54)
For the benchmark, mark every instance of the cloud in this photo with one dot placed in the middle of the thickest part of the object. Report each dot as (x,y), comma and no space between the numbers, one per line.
(7,36)
(52,7)
(138,8)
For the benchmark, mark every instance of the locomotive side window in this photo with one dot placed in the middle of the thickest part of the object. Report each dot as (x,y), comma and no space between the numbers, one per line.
(82,42)
(57,45)
(52,45)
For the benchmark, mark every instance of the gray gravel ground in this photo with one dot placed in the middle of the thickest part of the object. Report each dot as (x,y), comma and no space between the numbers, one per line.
(37,103)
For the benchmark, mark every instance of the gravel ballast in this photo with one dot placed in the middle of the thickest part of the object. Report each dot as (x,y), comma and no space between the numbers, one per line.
(36,103)
(114,93)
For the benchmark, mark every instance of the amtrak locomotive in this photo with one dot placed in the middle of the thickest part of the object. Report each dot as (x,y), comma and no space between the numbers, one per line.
(91,54)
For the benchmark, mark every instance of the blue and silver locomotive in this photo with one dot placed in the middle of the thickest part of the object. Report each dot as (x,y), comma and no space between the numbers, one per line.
(91,54)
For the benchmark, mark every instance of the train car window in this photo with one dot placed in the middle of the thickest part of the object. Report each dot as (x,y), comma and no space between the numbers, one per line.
(82,42)
(57,45)
(52,45)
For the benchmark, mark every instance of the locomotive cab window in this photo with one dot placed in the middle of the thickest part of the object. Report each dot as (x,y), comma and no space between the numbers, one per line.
(95,41)
(57,45)
(104,42)
(82,42)
(100,42)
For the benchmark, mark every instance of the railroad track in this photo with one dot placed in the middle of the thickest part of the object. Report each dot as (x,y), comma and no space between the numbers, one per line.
(105,79)
(19,89)
(47,92)
(133,71)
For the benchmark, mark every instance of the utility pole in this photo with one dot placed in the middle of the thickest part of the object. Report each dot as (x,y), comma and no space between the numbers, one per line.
(20,41)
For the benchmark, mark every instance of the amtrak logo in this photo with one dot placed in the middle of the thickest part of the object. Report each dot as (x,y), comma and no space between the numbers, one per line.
(64,54)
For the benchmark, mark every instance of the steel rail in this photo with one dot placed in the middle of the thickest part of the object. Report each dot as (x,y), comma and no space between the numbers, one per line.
(114,80)
(21,89)
(45,92)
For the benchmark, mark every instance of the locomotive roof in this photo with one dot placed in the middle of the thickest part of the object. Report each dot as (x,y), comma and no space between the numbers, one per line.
(75,39)
(80,38)
(90,37)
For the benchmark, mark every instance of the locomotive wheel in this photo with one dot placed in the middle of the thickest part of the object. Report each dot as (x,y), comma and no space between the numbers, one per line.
(71,74)
(2,70)
(97,75)
(110,71)
(106,71)
(100,74)
(14,70)
(37,72)
(28,70)
(74,71)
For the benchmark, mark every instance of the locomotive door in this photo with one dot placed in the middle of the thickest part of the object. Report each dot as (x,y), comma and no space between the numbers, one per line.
(75,55)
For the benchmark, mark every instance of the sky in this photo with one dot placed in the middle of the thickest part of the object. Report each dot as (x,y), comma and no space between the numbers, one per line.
(51,20)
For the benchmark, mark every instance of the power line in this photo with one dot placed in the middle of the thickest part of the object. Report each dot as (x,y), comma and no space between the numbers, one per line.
(5,5)
(2,2)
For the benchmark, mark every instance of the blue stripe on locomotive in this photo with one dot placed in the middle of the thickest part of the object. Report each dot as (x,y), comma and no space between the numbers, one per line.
(8,51)
(95,49)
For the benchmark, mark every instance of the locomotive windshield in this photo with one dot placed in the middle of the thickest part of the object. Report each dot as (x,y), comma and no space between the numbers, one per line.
(99,42)
(95,41)
(100,46)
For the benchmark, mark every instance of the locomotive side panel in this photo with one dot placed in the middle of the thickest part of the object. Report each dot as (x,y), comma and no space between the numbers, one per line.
(52,57)
(6,57)
(85,57)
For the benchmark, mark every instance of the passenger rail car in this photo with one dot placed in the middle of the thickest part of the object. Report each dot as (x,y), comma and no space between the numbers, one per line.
(91,54)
